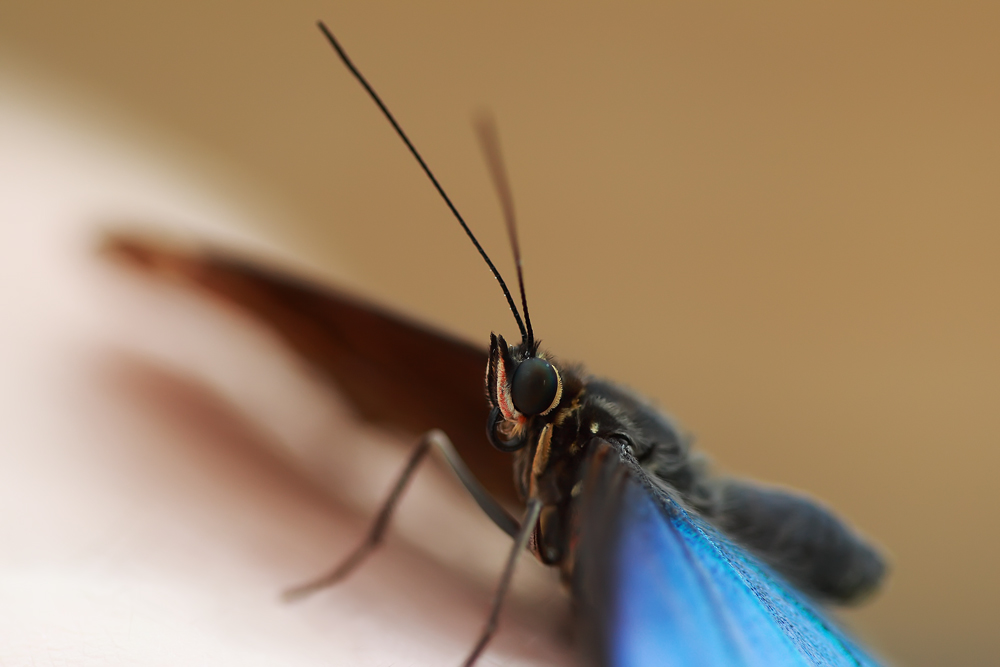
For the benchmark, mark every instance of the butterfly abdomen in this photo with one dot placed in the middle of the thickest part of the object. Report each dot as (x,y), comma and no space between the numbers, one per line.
(801,539)
(794,534)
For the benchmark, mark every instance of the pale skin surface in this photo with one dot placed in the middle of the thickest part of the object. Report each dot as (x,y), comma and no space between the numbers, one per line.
(167,469)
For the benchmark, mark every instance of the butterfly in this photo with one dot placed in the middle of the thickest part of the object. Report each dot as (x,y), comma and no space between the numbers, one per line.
(669,563)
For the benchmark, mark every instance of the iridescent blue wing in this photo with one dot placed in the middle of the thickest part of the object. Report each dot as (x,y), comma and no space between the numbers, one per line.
(660,586)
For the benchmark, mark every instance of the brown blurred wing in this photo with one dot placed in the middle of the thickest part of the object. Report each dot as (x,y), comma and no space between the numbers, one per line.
(394,372)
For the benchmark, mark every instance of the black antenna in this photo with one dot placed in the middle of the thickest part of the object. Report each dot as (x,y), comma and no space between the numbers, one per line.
(402,135)
(489,139)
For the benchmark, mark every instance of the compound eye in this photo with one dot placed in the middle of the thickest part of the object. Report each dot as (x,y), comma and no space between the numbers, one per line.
(536,387)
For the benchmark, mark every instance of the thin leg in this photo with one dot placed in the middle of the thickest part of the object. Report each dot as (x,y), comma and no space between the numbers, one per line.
(520,544)
(493,509)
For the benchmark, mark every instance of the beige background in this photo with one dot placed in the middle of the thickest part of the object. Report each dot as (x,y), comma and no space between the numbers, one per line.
(780,222)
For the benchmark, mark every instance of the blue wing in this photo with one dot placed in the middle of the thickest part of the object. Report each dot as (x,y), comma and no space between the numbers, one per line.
(663,587)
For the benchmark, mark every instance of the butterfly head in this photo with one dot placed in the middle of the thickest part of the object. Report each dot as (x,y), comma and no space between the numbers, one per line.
(523,388)
(536,404)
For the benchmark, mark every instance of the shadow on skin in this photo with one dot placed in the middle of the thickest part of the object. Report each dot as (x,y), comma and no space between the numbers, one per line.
(209,468)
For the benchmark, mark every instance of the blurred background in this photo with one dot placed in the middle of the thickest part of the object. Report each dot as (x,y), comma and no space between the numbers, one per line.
(779,222)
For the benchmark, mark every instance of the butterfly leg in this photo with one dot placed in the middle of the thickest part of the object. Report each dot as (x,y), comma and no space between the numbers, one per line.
(520,544)
(439,441)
